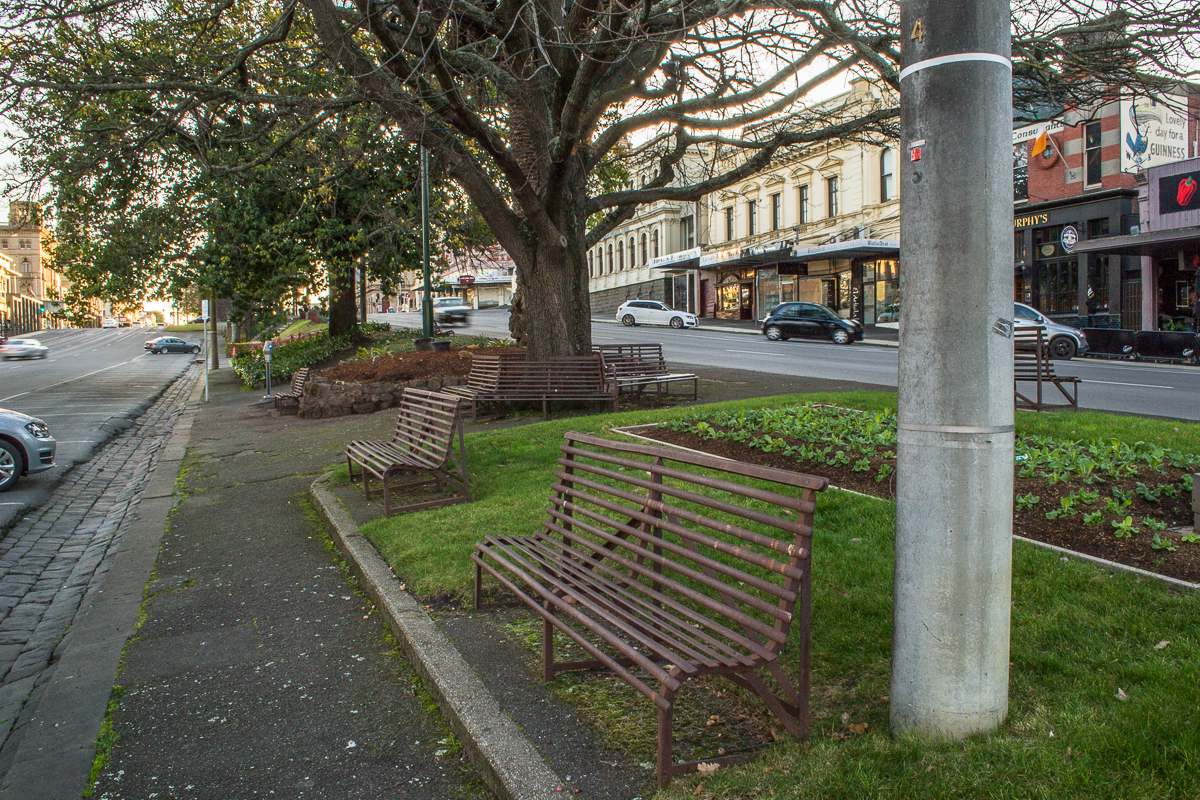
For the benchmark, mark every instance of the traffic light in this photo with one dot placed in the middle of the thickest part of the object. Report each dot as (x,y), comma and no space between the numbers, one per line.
(41,309)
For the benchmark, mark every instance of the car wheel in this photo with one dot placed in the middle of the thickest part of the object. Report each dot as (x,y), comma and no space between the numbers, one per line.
(1062,348)
(195,349)
(676,322)
(775,333)
(839,336)
(162,351)
(628,321)
(11,465)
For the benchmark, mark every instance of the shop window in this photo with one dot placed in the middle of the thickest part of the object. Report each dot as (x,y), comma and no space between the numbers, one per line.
(1097,291)
(831,186)
(887,186)
(802,216)
(654,242)
(729,223)
(751,218)
(776,212)
(688,225)
(1058,286)
(1091,146)
(1019,247)
(645,252)
(1020,172)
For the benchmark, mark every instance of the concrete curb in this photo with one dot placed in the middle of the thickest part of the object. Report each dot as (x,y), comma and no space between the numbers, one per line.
(509,763)
(55,755)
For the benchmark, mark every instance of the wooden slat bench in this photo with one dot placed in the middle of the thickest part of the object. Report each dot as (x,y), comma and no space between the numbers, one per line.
(515,379)
(639,366)
(423,442)
(665,565)
(1031,364)
(292,396)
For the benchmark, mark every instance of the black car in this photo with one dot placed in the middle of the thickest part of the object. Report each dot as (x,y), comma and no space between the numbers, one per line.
(171,344)
(810,321)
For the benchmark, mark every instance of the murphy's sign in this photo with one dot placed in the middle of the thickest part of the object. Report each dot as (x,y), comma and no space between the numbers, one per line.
(1032,219)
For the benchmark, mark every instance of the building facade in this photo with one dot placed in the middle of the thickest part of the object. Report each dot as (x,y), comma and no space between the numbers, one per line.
(25,243)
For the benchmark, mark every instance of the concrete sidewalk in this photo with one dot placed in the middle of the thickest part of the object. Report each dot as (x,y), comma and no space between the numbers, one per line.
(257,669)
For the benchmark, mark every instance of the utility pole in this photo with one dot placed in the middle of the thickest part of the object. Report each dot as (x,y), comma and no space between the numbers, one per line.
(954,471)
(362,295)
(427,300)
(214,355)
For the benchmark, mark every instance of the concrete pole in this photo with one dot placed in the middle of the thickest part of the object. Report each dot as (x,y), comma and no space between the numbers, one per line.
(213,353)
(954,474)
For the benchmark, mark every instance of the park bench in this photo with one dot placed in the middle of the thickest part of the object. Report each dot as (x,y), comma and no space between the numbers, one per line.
(423,442)
(664,565)
(1031,364)
(636,367)
(292,395)
(505,379)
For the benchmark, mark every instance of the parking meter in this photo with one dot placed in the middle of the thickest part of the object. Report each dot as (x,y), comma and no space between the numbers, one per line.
(267,348)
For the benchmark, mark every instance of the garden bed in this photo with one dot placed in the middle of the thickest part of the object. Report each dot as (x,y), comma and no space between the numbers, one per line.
(407,366)
(1107,499)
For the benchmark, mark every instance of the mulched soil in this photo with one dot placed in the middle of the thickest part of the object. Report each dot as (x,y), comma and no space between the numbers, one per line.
(1069,532)
(410,366)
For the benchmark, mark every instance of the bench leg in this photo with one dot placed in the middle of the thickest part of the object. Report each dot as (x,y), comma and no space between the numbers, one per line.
(547,648)
(666,721)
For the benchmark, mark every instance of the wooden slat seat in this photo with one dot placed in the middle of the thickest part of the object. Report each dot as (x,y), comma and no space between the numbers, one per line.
(638,366)
(423,442)
(1031,364)
(512,379)
(292,396)
(664,565)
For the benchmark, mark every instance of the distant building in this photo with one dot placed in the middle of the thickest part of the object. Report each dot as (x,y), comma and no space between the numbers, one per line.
(27,244)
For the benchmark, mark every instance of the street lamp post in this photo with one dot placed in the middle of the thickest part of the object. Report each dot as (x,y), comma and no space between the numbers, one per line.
(954,471)
(426,300)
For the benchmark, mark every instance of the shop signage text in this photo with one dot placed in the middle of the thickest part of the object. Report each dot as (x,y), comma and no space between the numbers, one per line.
(674,258)
(719,256)
(1032,219)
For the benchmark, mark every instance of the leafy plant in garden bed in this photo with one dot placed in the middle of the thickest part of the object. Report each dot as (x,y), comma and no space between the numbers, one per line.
(1108,498)
(287,358)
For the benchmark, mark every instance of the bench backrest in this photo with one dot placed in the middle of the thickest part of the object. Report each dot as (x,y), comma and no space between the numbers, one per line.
(632,361)
(723,540)
(644,352)
(572,377)
(1031,354)
(426,425)
(486,369)
(299,379)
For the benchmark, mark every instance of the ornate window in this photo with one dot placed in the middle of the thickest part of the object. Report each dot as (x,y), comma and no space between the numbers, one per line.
(887,178)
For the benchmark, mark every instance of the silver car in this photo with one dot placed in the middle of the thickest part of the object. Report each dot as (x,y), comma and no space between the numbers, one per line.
(23,348)
(1065,342)
(26,447)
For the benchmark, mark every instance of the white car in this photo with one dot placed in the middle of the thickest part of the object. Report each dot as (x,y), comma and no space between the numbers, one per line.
(23,348)
(108,322)
(652,312)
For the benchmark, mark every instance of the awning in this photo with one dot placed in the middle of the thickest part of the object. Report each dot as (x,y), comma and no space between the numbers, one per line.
(1151,243)
(683,259)
(854,248)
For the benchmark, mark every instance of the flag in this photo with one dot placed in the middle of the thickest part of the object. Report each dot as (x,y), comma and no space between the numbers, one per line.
(1042,140)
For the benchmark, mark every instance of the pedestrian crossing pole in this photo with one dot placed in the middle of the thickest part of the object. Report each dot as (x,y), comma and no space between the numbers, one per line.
(204,320)
(954,471)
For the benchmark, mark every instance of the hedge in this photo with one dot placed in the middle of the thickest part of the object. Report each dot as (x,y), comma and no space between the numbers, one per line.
(287,358)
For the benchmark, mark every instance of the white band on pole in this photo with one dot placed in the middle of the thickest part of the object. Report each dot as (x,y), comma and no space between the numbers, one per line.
(951,59)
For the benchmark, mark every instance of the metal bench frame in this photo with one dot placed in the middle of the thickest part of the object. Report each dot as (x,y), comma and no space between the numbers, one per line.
(423,442)
(639,366)
(1031,364)
(648,551)
(511,379)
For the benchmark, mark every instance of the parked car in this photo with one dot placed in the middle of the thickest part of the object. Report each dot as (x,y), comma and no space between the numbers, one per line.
(449,310)
(171,344)
(1065,342)
(26,447)
(652,312)
(23,348)
(890,313)
(108,322)
(812,321)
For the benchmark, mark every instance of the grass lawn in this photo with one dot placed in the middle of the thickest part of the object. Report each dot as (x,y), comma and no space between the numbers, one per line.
(1079,635)
(199,326)
(302,325)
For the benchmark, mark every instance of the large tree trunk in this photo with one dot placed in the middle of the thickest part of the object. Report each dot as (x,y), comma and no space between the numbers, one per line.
(343,311)
(557,317)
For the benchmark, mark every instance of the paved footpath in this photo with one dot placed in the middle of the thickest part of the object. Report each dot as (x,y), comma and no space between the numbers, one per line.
(54,559)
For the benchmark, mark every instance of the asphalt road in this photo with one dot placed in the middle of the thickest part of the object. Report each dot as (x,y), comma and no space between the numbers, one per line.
(1159,390)
(88,388)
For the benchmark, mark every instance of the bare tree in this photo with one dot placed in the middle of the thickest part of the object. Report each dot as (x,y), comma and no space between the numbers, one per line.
(529,105)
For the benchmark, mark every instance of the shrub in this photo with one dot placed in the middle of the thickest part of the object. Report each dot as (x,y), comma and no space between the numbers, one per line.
(287,358)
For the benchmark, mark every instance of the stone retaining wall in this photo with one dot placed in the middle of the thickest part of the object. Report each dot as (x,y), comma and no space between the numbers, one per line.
(325,398)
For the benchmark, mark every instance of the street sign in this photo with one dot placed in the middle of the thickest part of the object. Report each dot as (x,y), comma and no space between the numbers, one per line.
(466,278)
(204,310)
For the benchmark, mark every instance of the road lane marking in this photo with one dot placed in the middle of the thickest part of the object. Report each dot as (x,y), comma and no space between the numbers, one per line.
(1118,383)
(68,380)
